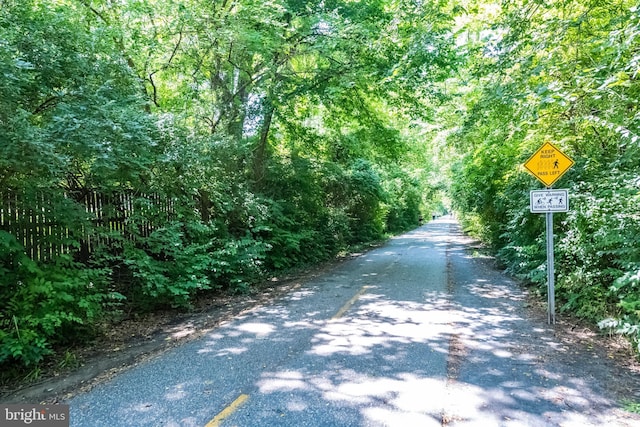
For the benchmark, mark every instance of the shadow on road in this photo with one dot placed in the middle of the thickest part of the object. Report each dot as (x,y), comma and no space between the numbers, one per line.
(435,337)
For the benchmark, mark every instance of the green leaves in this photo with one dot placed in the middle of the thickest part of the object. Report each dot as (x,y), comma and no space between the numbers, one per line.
(563,72)
(167,149)
(38,302)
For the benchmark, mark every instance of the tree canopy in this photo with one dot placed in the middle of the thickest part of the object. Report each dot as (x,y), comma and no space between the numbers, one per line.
(152,151)
(564,72)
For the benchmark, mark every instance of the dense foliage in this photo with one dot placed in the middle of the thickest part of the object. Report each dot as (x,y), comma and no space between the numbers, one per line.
(152,151)
(166,149)
(565,72)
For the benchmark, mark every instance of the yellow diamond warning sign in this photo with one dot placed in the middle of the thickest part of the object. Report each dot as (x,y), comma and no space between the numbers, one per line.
(548,164)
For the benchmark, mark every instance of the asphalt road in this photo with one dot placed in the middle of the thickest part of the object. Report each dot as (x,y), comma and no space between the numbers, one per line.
(419,332)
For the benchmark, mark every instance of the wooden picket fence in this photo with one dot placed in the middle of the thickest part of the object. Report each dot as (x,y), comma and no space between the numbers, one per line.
(36,223)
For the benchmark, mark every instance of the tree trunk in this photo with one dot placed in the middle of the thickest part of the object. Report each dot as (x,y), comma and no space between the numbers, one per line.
(260,152)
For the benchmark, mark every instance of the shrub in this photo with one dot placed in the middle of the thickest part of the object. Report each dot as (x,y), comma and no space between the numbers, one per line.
(39,301)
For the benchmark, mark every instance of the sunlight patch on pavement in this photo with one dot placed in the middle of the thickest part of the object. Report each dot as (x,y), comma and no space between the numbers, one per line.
(285,381)
(300,295)
(468,403)
(511,404)
(392,399)
(228,351)
(183,331)
(357,336)
(392,418)
(259,329)
(383,323)
(297,405)
(176,393)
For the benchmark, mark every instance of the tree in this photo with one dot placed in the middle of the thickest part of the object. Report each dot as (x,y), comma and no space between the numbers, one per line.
(177,148)
(565,72)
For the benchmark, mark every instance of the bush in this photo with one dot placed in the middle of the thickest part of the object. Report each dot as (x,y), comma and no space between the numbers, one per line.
(237,263)
(401,202)
(39,301)
(169,266)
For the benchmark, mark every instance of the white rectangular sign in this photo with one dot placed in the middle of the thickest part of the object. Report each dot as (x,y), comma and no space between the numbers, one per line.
(543,201)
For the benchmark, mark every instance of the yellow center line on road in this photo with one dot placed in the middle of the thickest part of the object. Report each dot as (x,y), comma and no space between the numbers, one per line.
(229,410)
(226,412)
(349,303)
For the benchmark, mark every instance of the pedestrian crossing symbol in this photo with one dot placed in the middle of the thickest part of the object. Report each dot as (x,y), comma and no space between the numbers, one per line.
(548,164)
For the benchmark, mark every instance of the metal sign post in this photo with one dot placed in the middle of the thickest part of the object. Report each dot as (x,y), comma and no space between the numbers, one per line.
(551,292)
(549,201)
(548,164)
